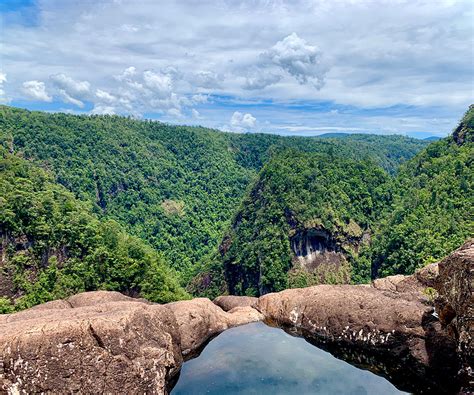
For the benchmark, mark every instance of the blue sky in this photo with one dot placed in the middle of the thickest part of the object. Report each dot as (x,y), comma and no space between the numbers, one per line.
(304,67)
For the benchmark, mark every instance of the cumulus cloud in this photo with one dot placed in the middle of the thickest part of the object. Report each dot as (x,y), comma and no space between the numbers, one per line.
(105,96)
(260,79)
(242,121)
(36,90)
(72,87)
(206,79)
(159,83)
(299,59)
(195,113)
(103,110)
(416,51)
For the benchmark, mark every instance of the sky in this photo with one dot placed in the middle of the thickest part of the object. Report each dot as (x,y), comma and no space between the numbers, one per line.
(300,67)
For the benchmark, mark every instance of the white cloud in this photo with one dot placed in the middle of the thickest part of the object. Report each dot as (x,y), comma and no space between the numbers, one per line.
(195,113)
(259,79)
(103,110)
(382,54)
(127,73)
(242,121)
(160,84)
(36,90)
(206,79)
(105,96)
(299,59)
(70,99)
(72,87)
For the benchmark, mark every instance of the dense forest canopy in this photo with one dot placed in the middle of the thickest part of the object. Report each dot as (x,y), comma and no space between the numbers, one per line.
(108,202)
(412,219)
(53,245)
(176,187)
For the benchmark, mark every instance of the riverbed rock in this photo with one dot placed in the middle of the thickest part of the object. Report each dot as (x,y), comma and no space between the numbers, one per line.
(106,342)
(111,346)
(199,320)
(391,330)
(455,304)
(228,302)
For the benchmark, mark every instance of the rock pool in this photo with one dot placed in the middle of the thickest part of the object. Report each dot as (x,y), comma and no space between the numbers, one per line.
(259,359)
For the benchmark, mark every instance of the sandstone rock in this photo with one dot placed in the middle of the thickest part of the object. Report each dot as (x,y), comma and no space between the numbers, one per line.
(113,347)
(413,285)
(228,302)
(401,332)
(455,303)
(199,320)
(98,297)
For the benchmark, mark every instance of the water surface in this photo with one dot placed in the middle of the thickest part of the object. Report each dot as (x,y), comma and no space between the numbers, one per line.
(258,359)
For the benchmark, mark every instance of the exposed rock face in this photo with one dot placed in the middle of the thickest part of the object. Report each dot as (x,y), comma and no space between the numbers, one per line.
(105,342)
(228,302)
(414,285)
(455,304)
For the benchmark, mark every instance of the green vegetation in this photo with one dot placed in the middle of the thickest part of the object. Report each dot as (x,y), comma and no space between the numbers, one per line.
(413,219)
(175,187)
(107,202)
(296,190)
(53,245)
(432,212)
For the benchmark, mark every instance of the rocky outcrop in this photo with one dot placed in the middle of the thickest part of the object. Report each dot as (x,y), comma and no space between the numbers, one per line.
(87,349)
(388,326)
(199,320)
(105,342)
(412,286)
(455,304)
(228,302)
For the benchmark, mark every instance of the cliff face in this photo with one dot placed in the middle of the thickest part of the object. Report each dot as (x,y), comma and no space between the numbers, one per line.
(302,224)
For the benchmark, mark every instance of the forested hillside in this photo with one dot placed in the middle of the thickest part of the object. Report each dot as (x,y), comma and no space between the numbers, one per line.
(312,218)
(53,246)
(303,203)
(175,187)
(432,210)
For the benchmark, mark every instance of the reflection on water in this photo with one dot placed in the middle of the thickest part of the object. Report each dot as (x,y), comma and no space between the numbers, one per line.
(258,359)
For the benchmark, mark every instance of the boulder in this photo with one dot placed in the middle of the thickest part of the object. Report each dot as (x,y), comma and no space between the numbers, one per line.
(412,286)
(199,320)
(112,346)
(105,342)
(228,302)
(455,304)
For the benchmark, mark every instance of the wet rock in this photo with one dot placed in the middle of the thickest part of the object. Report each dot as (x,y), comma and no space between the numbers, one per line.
(228,302)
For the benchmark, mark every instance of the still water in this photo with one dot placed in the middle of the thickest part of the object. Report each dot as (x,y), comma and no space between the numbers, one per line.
(258,359)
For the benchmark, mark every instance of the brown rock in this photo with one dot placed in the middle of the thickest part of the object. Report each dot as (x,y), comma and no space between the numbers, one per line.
(413,285)
(114,347)
(228,302)
(353,322)
(199,320)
